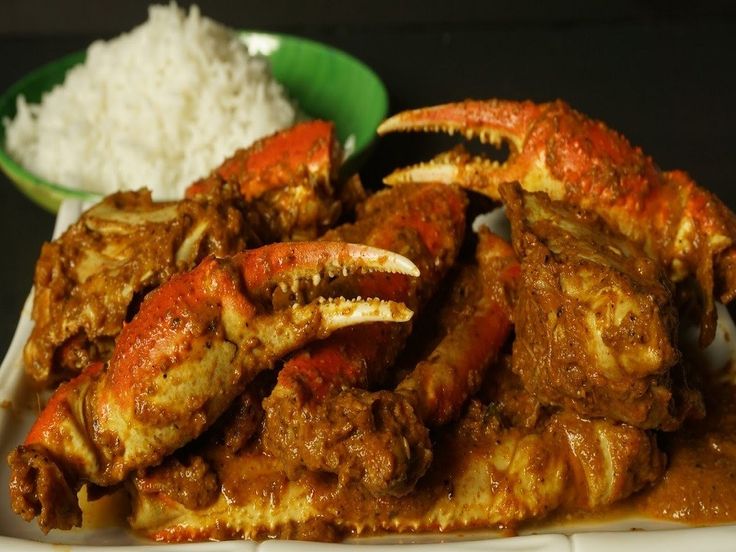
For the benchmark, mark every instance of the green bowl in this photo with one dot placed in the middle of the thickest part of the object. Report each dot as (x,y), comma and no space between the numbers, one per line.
(326,83)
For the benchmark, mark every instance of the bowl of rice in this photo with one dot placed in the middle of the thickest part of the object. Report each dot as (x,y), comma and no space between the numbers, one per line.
(162,105)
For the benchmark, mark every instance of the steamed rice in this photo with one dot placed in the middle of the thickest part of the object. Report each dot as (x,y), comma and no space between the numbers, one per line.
(158,107)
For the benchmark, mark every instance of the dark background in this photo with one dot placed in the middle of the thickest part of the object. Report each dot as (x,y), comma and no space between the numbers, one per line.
(662,73)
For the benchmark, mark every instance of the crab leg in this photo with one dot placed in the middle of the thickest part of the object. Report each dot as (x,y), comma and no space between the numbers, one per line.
(478,322)
(194,346)
(572,158)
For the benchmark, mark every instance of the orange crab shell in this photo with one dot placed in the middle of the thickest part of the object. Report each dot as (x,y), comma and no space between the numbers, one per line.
(307,151)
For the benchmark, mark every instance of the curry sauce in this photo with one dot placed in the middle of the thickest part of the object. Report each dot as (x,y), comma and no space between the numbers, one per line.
(699,485)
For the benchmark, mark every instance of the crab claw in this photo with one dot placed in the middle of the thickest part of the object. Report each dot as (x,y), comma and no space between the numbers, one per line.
(575,159)
(308,150)
(288,179)
(492,122)
(193,347)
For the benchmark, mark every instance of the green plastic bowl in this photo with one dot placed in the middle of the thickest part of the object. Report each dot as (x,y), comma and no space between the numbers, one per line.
(326,83)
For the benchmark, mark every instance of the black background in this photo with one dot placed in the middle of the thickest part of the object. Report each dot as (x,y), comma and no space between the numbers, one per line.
(662,73)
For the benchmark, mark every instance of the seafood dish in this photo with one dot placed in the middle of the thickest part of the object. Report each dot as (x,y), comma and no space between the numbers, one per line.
(283,353)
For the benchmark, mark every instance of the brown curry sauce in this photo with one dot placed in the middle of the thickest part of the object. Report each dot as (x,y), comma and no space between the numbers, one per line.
(699,485)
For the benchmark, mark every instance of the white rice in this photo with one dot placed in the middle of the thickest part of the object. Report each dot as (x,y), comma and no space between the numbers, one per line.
(158,107)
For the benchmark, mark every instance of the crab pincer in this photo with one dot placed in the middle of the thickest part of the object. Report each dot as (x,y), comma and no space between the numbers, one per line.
(578,160)
(193,347)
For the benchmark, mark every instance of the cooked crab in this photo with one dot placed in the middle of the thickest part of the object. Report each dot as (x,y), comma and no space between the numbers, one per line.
(89,281)
(453,427)
(572,158)
(193,347)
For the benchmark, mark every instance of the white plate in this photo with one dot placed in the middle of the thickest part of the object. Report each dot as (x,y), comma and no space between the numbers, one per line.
(17,535)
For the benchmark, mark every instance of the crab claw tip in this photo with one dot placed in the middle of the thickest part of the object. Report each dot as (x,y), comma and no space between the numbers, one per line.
(423,172)
(341,313)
